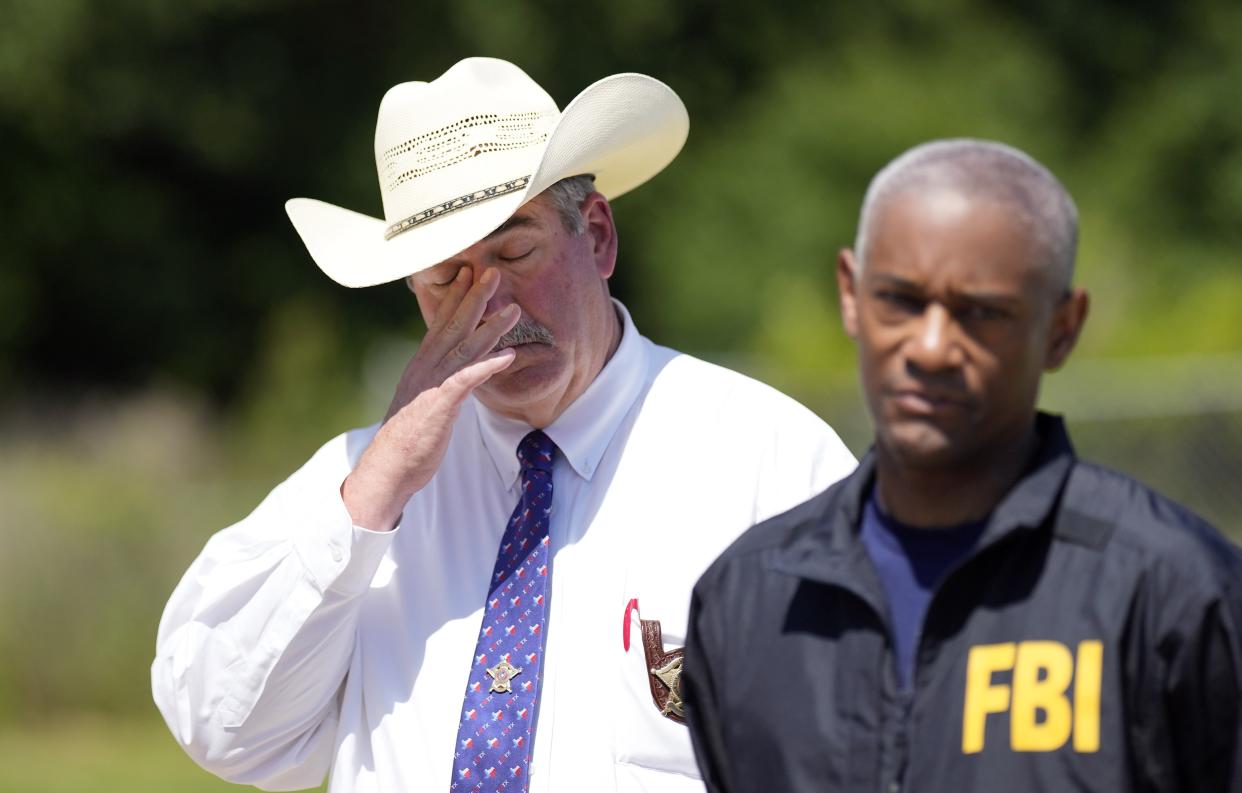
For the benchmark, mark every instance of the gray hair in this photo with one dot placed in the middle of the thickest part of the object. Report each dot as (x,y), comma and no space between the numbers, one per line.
(566,197)
(983,169)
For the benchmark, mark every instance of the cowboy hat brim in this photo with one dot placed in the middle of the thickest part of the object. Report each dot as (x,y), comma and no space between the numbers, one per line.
(623,130)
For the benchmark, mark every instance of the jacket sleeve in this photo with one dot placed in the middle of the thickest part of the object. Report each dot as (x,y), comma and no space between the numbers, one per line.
(254,645)
(699,692)
(1184,671)
(1203,694)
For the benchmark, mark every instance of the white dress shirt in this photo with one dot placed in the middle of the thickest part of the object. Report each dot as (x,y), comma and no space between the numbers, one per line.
(298,643)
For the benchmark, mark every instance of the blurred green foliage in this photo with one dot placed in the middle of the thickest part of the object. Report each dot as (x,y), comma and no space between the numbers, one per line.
(149,148)
(168,351)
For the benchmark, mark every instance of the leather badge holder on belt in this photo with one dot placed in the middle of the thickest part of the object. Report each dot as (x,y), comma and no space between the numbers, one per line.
(663,672)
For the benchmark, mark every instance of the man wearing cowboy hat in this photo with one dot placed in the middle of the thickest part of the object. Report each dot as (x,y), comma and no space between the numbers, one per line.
(451,599)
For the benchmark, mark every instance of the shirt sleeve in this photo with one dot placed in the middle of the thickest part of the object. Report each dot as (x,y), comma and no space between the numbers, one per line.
(254,645)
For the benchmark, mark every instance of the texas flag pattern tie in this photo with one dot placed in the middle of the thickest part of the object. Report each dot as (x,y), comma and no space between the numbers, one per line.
(497,726)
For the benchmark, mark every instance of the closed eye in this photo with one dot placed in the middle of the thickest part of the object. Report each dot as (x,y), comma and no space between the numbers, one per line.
(443,282)
(517,257)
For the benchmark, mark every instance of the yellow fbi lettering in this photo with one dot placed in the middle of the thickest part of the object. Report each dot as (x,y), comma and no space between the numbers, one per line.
(1042,674)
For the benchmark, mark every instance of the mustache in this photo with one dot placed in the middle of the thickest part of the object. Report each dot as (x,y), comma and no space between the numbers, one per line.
(526,331)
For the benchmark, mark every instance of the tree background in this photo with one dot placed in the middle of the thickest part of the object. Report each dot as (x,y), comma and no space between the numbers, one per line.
(168,351)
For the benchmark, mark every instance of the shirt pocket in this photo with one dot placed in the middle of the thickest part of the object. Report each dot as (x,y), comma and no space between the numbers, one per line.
(650,748)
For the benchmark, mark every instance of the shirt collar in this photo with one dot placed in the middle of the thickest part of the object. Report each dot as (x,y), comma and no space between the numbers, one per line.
(584,430)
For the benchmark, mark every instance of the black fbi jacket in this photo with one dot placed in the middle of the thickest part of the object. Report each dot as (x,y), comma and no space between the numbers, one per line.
(1089,642)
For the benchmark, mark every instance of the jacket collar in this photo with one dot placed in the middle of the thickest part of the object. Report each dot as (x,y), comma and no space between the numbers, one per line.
(826,547)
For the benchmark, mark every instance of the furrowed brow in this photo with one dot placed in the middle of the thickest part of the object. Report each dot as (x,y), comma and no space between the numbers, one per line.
(998,299)
(517,221)
(894,281)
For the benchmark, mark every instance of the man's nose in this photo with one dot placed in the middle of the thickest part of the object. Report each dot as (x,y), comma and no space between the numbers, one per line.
(503,295)
(934,345)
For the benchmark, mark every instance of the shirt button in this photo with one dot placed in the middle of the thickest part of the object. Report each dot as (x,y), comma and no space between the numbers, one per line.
(336,553)
(894,787)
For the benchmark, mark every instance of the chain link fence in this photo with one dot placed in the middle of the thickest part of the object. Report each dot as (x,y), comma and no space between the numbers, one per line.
(1173,423)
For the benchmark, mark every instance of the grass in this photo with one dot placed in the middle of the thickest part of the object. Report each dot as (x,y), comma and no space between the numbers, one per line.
(93,755)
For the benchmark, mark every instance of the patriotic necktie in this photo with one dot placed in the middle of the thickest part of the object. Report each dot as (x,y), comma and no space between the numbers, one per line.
(497,726)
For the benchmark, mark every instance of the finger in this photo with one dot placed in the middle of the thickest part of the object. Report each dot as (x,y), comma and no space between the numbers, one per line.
(474,303)
(457,386)
(485,336)
(465,316)
(469,377)
(453,294)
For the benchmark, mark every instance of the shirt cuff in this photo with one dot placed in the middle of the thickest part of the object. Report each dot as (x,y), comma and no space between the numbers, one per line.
(338,555)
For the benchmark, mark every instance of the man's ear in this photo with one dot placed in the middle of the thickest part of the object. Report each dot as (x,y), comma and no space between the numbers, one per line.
(601,231)
(1067,321)
(847,287)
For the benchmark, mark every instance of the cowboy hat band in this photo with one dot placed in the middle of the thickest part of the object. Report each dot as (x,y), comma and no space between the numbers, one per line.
(460,202)
(457,156)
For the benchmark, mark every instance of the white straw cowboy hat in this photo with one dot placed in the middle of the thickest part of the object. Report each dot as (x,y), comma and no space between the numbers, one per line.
(457,156)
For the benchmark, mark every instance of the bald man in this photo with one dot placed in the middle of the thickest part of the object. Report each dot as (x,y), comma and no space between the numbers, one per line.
(974,609)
